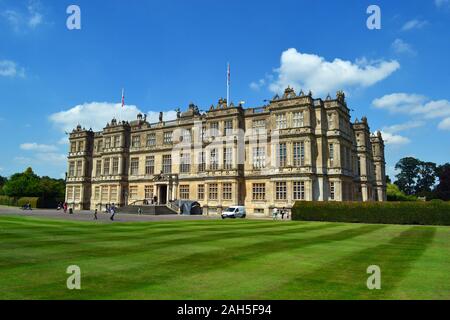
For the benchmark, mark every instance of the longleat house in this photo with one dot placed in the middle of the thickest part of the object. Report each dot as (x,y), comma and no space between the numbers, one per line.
(295,148)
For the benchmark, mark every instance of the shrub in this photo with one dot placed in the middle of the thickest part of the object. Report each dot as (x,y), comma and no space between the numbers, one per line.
(34,201)
(423,213)
(395,194)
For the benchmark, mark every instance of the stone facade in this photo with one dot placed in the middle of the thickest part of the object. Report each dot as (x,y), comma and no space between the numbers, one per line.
(295,148)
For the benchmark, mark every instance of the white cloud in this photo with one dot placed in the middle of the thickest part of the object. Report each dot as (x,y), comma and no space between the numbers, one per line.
(444,124)
(96,115)
(33,146)
(312,72)
(51,158)
(413,104)
(394,139)
(399,46)
(10,68)
(22,19)
(441,3)
(414,24)
(403,126)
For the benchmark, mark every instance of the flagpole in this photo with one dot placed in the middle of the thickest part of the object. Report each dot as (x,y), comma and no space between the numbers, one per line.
(228,84)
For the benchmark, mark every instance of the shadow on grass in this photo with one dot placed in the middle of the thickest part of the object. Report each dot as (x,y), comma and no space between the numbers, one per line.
(346,278)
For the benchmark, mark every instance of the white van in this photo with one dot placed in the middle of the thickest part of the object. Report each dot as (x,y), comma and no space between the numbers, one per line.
(234,212)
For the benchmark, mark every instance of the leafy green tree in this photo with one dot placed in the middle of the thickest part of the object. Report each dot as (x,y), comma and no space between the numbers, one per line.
(2,183)
(442,190)
(395,194)
(426,178)
(409,172)
(25,184)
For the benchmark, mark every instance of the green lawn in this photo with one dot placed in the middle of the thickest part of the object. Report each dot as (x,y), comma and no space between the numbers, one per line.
(233,259)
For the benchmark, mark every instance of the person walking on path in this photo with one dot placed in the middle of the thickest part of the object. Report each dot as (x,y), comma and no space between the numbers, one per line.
(112,210)
(275,214)
(65,207)
(95,215)
(139,211)
(283,212)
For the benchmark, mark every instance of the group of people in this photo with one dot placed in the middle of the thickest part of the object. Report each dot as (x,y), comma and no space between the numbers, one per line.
(111,209)
(282,212)
(63,206)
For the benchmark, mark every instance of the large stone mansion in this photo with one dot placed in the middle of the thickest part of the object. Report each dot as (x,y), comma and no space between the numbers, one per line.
(294,148)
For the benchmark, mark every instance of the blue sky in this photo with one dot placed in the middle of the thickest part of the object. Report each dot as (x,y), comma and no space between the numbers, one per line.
(169,53)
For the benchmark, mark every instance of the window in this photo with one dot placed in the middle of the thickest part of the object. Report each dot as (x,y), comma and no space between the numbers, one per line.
(227,191)
(185,163)
(299,154)
(281,155)
(214,129)
(113,193)
(97,193)
(281,121)
(69,193)
(150,165)
(148,192)
(73,147)
(259,126)
(259,157)
(108,143)
(201,192)
(167,163)
(71,169)
(134,166)
(136,141)
(201,162)
(117,142)
(332,191)
(299,190)
(105,191)
(281,190)
(186,135)
(227,158)
(298,119)
(115,165)
(151,140)
(106,167)
(98,168)
(228,127)
(203,133)
(80,146)
(167,137)
(133,192)
(259,191)
(79,168)
(100,146)
(184,191)
(359,166)
(213,191)
(77,196)
(214,160)
(331,153)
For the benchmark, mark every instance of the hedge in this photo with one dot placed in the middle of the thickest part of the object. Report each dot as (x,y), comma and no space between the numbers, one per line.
(34,201)
(421,213)
(31,200)
(8,201)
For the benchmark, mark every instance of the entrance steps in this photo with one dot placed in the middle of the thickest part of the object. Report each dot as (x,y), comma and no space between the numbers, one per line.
(154,210)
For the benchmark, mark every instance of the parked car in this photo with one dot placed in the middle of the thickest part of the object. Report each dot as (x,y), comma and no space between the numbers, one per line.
(234,212)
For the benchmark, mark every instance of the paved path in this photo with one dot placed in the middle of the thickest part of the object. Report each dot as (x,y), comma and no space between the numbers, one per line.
(103,217)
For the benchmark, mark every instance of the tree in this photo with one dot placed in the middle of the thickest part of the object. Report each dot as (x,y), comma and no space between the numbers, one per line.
(2,183)
(26,184)
(443,188)
(426,178)
(409,171)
